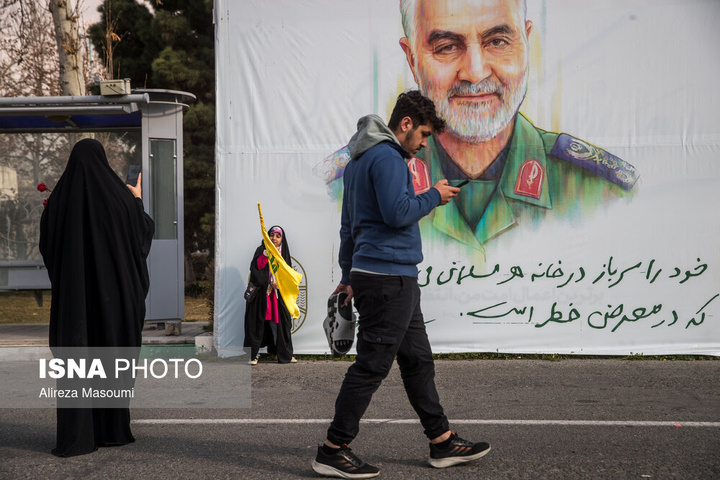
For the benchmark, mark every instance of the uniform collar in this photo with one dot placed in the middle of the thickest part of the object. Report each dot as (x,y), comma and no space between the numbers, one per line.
(526,144)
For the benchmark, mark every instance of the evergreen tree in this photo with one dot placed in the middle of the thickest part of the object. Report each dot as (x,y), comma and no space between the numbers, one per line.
(131,34)
(173,48)
(187,62)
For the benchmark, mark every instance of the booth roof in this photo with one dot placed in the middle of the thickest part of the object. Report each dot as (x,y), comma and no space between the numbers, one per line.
(29,123)
(92,113)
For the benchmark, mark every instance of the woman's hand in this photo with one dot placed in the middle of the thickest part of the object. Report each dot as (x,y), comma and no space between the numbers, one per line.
(137,189)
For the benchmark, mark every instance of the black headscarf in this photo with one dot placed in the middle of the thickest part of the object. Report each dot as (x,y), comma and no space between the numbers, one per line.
(95,238)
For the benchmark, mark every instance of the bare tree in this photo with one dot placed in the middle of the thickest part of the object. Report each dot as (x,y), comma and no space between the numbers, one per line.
(28,62)
(65,18)
(30,65)
(29,59)
(111,39)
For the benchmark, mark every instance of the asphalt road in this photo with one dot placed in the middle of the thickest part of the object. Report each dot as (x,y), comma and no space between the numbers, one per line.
(579,419)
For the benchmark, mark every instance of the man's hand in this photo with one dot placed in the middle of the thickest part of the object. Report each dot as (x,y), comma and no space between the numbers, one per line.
(446,191)
(344,288)
(137,189)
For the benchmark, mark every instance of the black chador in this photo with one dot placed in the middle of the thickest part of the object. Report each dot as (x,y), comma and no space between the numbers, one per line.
(94,238)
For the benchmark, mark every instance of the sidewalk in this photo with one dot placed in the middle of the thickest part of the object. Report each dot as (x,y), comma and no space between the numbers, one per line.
(36,334)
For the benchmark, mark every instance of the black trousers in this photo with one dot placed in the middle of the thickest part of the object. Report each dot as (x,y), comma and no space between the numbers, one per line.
(390,324)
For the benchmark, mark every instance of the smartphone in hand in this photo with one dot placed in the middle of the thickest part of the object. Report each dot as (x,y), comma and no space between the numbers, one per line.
(132,175)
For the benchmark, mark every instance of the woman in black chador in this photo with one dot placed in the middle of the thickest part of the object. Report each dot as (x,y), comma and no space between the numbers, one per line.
(267,319)
(95,238)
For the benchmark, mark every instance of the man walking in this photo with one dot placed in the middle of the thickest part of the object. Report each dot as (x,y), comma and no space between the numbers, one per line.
(380,248)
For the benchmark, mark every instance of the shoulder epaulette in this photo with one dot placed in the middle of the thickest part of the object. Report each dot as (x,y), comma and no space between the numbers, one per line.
(595,160)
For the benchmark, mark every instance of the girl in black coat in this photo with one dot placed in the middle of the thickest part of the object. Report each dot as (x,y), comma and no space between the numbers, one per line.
(267,319)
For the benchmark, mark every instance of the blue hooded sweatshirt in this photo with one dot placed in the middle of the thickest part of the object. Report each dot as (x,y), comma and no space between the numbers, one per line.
(380,211)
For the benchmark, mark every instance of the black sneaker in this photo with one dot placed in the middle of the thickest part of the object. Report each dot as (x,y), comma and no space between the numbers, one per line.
(458,451)
(342,464)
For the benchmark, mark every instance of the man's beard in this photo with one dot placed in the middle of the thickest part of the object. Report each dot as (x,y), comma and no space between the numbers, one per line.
(477,122)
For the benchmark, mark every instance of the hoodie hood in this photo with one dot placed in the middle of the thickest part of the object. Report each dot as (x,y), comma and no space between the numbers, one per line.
(371,130)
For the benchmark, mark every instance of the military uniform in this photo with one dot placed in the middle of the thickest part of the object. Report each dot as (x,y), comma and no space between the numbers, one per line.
(539,173)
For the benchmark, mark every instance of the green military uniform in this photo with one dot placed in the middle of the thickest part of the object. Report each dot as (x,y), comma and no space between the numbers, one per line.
(544,173)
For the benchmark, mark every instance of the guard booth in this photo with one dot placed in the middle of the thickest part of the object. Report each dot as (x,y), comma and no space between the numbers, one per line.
(142,128)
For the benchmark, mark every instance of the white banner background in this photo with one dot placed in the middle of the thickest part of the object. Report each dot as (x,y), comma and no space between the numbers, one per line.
(638,78)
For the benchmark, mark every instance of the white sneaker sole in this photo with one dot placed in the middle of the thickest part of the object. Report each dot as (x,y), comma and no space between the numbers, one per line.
(328,471)
(450,461)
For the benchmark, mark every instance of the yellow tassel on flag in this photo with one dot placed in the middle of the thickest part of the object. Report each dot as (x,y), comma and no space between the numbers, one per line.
(288,280)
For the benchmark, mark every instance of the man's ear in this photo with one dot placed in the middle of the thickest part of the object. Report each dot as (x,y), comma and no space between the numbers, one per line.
(403,129)
(406,124)
(405,44)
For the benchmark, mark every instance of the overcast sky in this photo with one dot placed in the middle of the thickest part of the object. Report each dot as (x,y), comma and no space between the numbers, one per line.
(88,10)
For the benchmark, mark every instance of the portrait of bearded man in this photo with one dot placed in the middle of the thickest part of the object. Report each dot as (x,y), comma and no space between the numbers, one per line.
(471,58)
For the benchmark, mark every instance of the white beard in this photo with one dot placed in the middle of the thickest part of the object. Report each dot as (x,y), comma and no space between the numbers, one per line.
(477,122)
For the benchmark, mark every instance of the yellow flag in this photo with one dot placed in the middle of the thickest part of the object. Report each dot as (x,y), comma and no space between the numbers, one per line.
(288,280)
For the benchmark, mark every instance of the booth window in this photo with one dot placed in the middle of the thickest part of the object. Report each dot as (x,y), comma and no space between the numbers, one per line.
(163,169)
(27,159)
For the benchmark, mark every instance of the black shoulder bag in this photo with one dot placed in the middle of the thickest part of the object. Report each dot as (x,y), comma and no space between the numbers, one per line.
(251,292)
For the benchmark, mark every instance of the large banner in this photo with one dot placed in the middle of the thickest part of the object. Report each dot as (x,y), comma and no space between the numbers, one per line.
(590,134)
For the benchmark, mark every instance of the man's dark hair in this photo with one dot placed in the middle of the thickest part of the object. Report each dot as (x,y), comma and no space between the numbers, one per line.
(419,108)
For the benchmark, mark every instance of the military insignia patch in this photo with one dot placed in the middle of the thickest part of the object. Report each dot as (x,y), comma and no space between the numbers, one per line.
(530,179)
(420,174)
(596,160)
